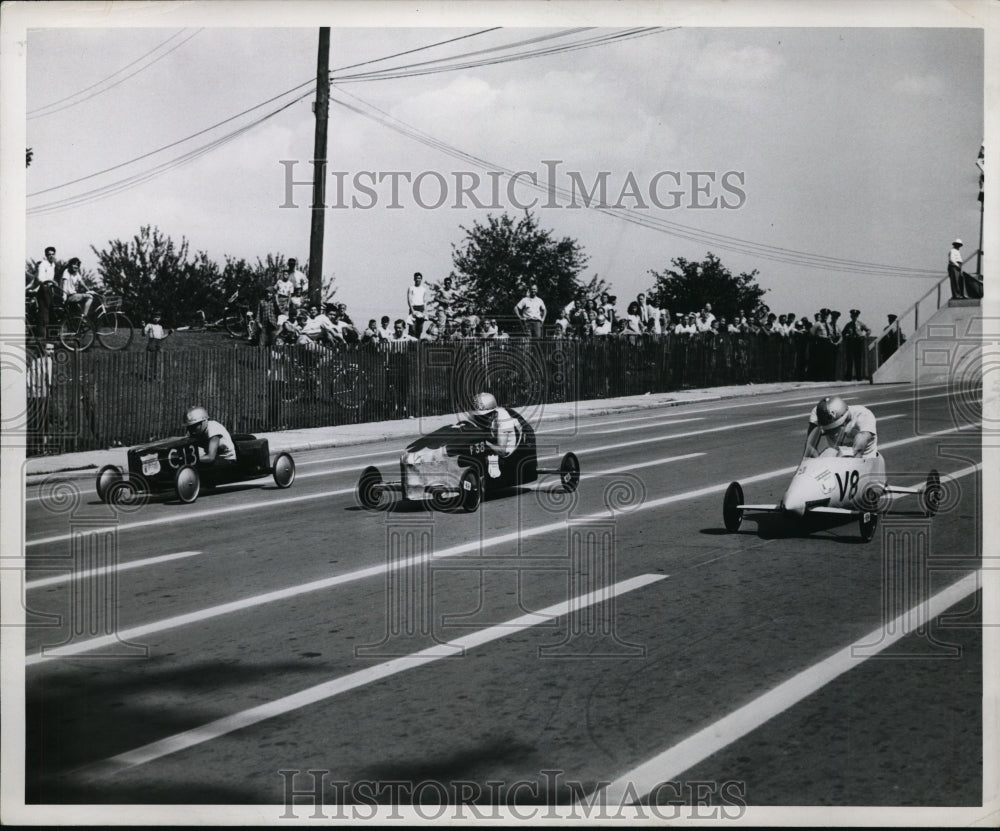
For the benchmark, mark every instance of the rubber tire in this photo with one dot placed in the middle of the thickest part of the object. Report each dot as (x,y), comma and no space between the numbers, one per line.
(368,497)
(106,477)
(187,484)
(78,339)
(116,491)
(283,470)
(869,527)
(470,488)
(569,472)
(114,331)
(930,498)
(731,515)
(235,325)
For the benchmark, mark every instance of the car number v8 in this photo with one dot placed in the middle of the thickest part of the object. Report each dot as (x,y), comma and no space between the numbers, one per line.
(848,484)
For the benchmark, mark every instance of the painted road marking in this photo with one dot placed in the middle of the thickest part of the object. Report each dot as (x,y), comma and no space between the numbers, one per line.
(100,572)
(369,675)
(649,426)
(671,763)
(474,546)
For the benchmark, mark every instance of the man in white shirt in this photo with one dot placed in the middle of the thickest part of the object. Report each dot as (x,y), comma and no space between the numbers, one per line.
(213,440)
(531,311)
(318,327)
(300,285)
(602,326)
(384,329)
(43,286)
(284,288)
(416,302)
(832,423)
(955,263)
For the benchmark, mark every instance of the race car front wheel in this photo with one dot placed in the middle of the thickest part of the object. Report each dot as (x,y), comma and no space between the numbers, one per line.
(732,514)
(470,488)
(187,484)
(867,525)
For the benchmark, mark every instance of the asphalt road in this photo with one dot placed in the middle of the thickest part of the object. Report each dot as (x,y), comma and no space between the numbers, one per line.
(616,640)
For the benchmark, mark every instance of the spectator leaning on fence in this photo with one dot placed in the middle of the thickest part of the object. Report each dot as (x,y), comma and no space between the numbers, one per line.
(531,310)
(399,333)
(370,333)
(385,329)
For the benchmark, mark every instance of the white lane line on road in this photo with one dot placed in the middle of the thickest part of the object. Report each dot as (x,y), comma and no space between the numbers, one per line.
(650,426)
(81,646)
(369,675)
(474,546)
(215,512)
(203,515)
(671,763)
(100,572)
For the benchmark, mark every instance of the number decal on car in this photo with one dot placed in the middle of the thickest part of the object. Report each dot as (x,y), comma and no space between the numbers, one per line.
(848,484)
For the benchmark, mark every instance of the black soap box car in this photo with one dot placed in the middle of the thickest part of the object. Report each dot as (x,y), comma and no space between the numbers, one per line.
(171,466)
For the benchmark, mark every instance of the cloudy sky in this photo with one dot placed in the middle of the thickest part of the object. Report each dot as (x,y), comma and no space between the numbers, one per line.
(839,144)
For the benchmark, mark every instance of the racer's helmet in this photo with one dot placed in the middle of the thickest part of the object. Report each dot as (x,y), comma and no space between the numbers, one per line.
(484,404)
(194,418)
(831,413)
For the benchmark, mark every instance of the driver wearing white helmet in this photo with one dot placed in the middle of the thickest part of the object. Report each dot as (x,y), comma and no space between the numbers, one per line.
(212,439)
(501,428)
(848,429)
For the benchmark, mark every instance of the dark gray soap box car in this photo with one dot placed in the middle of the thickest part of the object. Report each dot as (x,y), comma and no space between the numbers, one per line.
(171,466)
(452,469)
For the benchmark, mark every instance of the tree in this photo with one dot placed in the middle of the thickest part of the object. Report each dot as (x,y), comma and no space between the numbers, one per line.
(152,273)
(497,260)
(688,286)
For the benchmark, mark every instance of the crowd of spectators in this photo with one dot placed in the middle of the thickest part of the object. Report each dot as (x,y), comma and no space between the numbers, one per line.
(432,316)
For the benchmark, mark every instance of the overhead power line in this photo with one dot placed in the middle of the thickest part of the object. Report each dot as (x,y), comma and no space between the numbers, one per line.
(48,108)
(231,118)
(643,218)
(453,63)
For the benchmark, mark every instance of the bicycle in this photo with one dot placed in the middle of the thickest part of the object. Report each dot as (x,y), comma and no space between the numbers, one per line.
(238,318)
(113,329)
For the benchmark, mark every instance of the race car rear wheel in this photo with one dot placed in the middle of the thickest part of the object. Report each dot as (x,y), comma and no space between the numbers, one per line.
(187,484)
(867,525)
(569,472)
(369,492)
(124,494)
(470,488)
(732,514)
(107,476)
(932,494)
(283,470)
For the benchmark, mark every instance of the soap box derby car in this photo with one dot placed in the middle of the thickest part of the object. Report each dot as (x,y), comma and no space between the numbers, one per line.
(171,465)
(846,485)
(453,470)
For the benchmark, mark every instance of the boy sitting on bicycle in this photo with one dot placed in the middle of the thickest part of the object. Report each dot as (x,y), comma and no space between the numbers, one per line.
(73,288)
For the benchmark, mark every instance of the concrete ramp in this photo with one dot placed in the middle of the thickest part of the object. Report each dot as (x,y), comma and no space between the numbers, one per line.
(946,349)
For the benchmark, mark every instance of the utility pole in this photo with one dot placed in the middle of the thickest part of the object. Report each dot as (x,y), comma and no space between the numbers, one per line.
(322,109)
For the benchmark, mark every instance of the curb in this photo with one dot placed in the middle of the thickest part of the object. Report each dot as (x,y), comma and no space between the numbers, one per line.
(646,402)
